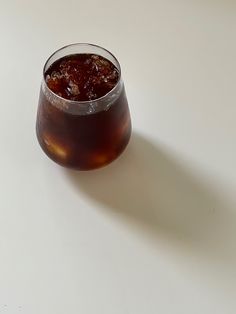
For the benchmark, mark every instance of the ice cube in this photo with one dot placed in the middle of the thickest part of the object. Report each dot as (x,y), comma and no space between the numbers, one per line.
(73,88)
(55,148)
(55,75)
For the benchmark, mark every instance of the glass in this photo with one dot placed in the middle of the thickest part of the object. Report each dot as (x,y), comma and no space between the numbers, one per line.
(83,135)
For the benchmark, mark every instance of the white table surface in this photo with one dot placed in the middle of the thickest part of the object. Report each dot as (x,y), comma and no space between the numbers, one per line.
(154,232)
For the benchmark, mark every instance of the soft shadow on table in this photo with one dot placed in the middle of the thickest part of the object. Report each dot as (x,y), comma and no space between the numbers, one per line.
(150,190)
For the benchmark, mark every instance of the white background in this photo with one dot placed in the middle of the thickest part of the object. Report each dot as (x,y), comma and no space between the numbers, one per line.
(154,232)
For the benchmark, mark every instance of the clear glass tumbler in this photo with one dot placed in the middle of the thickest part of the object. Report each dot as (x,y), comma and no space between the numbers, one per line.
(83,135)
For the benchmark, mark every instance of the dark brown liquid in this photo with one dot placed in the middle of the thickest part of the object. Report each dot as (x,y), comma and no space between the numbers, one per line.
(83,141)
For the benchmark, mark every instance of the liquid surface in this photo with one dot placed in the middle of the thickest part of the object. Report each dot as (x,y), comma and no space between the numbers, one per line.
(82,77)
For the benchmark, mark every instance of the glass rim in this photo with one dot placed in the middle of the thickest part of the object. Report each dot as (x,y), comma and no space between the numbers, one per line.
(81,101)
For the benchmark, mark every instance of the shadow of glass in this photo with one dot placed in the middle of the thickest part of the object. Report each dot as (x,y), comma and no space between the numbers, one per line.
(151,190)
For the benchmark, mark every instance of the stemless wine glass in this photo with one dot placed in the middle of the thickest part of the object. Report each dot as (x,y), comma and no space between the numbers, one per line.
(87,134)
